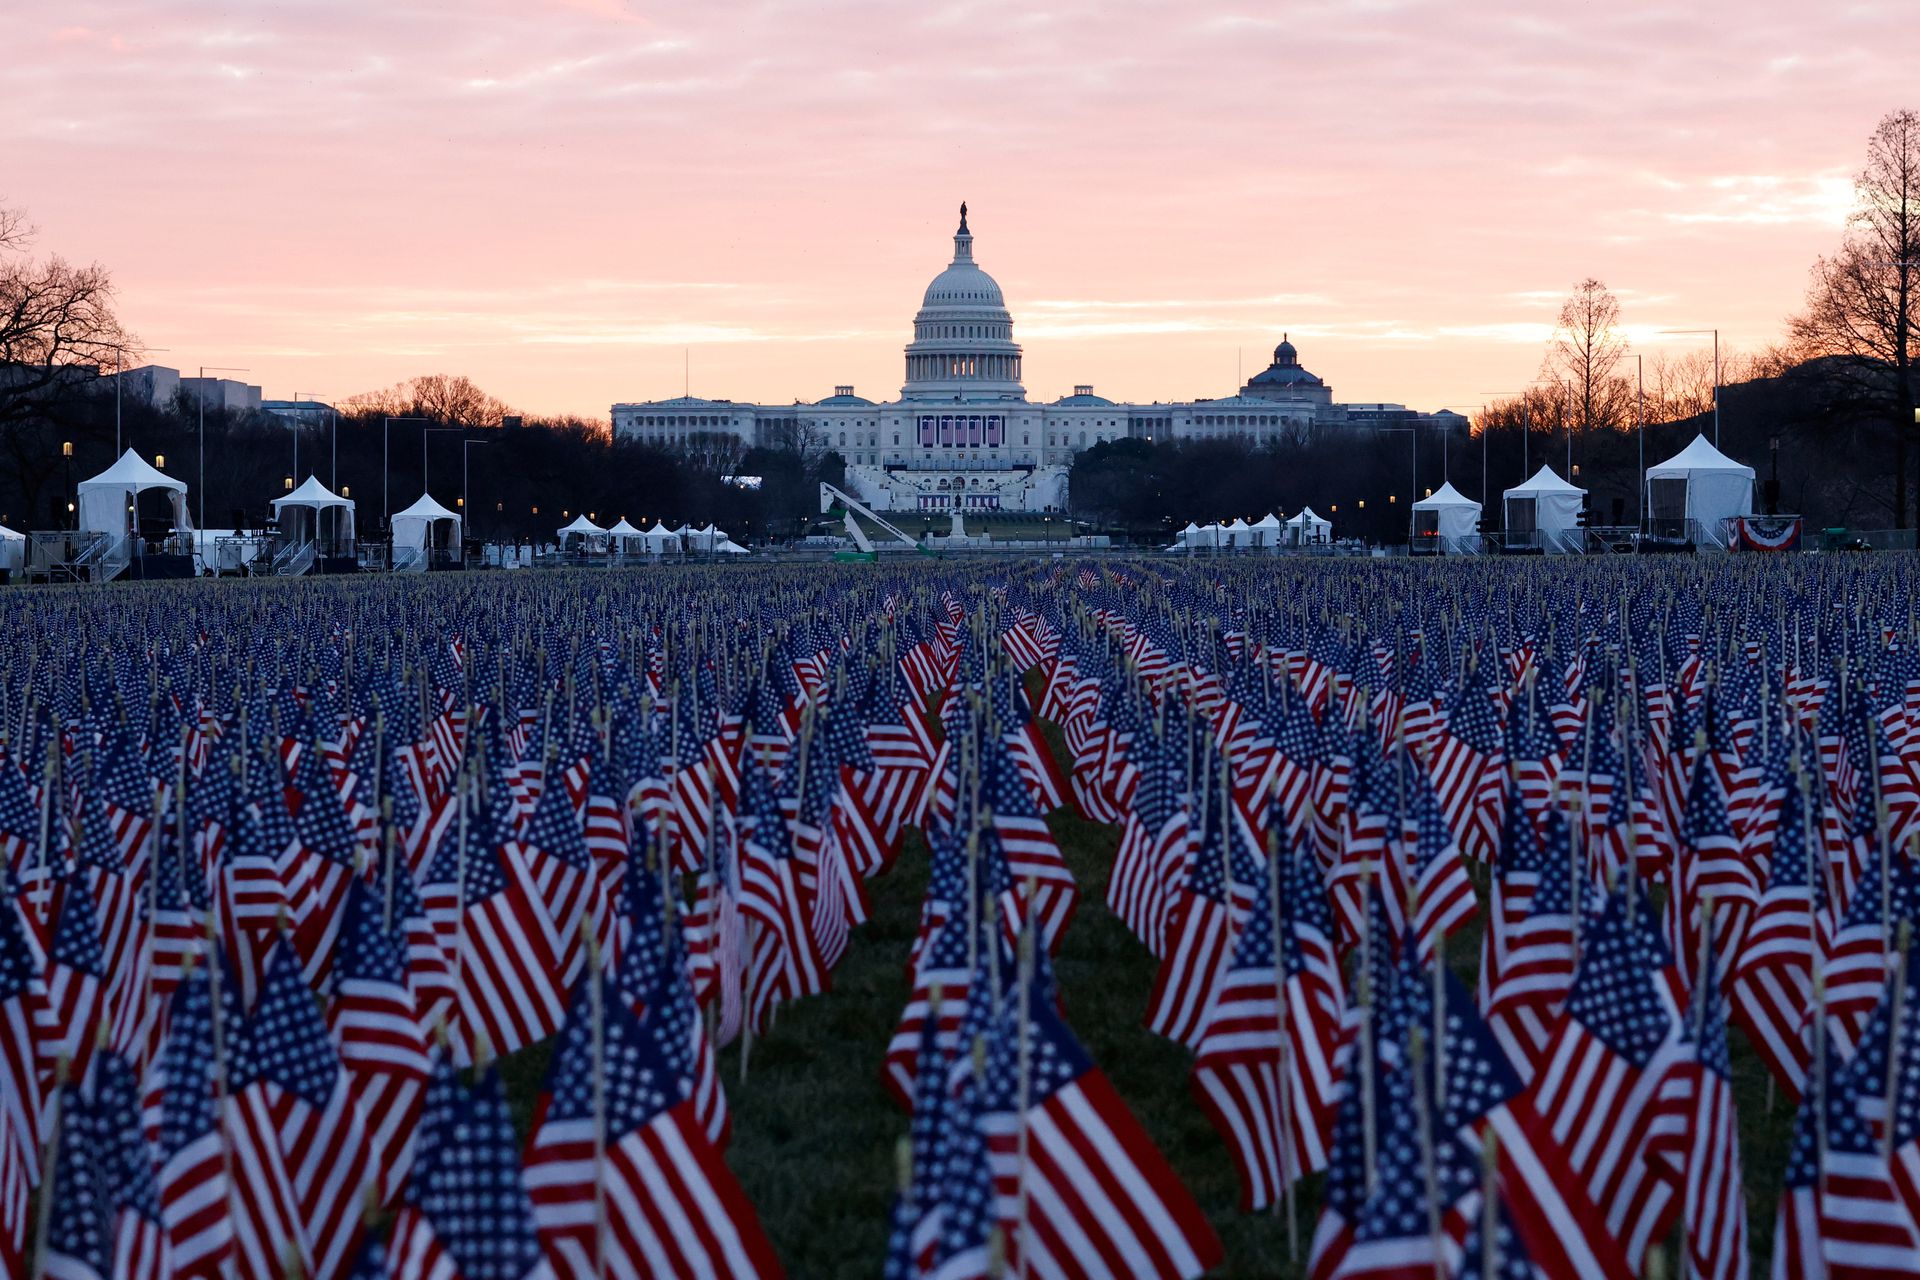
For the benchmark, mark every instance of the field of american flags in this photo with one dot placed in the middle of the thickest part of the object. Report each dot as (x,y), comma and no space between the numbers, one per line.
(796,1148)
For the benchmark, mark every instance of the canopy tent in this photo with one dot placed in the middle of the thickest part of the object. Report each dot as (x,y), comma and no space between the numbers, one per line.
(1548,509)
(662,539)
(1445,519)
(300,515)
(106,501)
(627,539)
(424,526)
(582,535)
(13,549)
(1184,538)
(1692,494)
(728,547)
(707,539)
(1267,530)
(1308,527)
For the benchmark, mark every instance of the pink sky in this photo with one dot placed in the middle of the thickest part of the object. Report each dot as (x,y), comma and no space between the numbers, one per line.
(560,198)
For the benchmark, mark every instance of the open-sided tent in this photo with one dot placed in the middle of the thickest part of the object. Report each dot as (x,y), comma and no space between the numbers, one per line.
(1546,507)
(13,549)
(626,539)
(424,526)
(1445,519)
(106,500)
(303,517)
(1692,494)
(582,535)
(1308,527)
(661,539)
(1267,530)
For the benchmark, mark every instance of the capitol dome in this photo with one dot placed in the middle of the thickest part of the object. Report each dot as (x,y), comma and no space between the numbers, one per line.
(963,347)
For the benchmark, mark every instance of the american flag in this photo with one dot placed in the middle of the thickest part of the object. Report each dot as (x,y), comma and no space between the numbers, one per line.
(466,1215)
(1200,932)
(127,1170)
(1715,1210)
(1469,770)
(1264,1068)
(79,1243)
(1027,845)
(619,1119)
(383,1043)
(1771,986)
(1840,1215)
(195,1205)
(497,938)
(1536,970)
(653,981)
(1604,1086)
(1082,1190)
(783,961)
(76,980)
(298,1141)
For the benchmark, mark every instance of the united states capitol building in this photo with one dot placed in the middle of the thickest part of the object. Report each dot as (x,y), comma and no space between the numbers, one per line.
(963,436)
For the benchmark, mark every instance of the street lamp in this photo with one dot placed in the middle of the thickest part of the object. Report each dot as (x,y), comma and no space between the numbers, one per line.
(311,395)
(1716,374)
(386,505)
(120,367)
(66,465)
(200,394)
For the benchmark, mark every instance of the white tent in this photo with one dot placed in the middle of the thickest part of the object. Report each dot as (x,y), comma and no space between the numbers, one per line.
(1445,518)
(13,549)
(582,535)
(300,512)
(106,498)
(1184,540)
(1240,533)
(1266,531)
(416,529)
(728,547)
(662,539)
(1694,492)
(1548,508)
(1308,527)
(626,538)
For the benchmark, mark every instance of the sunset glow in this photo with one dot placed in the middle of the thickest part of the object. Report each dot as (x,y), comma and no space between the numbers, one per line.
(585,201)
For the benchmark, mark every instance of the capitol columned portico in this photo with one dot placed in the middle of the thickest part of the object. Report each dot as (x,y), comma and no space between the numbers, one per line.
(963,435)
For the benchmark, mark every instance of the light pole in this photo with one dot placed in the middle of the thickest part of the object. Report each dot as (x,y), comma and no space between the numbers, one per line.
(1716,374)
(466,508)
(386,506)
(1640,433)
(200,390)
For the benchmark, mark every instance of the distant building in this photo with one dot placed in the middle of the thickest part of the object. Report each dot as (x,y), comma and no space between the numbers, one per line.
(220,393)
(962,434)
(306,413)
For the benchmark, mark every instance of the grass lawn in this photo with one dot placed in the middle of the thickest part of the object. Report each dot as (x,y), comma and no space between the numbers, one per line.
(814,1134)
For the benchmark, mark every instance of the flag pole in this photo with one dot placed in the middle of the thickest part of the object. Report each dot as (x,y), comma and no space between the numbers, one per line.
(596,996)
(1022,1237)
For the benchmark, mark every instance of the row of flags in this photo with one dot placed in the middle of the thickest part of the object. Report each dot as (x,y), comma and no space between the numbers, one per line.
(287,871)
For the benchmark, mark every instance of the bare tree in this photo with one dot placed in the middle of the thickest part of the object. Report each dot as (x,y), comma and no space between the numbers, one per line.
(1586,355)
(714,453)
(449,398)
(57,327)
(1863,303)
(801,438)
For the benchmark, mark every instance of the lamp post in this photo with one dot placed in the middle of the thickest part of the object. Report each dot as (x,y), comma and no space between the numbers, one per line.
(386,505)
(200,393)
(1716,373)
(66,467)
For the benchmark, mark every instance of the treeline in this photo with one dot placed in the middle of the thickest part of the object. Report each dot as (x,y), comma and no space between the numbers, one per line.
(1806,425)
(523,478)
